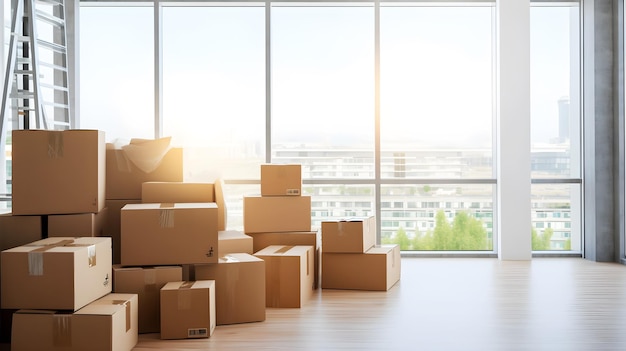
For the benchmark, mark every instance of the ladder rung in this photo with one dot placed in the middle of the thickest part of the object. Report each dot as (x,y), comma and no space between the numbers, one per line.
(53,66)
(51,2)
(22,94)
(24,71)
(52,46)
(59,123)
(49,18)
(54,87)
(56,104)
(24,60)
(24,108)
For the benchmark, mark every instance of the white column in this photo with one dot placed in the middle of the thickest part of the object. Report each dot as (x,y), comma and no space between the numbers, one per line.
(513,101)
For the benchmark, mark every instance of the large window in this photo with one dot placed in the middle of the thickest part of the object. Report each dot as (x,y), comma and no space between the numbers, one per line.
(555,128)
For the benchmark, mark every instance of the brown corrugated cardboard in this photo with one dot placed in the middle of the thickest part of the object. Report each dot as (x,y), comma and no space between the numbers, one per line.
(288,275)
(80,224)
(220,200)
(239,287)
(281,180)
(234,241)
(57,172)
(159,192)
(141,161)
(377,269)
(19,230)
(56,273)
(146,282)
(188,310)
(263,214)
(113,226)
(169,234)
(355,235)
(263,240)
(107,324)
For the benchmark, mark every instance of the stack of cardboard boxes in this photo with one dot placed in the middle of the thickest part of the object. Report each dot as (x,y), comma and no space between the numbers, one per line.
(61,286)
(279,222)
(351,260)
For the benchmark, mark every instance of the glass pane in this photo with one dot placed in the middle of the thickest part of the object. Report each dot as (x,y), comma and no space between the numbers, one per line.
(214,89)
(436,92)
(323,90)
(556,217)
(339,201)
(555,92)
(117,71)
(453,217)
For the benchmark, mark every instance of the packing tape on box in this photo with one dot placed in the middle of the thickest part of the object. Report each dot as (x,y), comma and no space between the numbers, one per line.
(272,286)
(232,280)
(229,259)
(35,257)
(149,279)
(340,228)
(166,218)
(283,249)
(55,144)
(62,330)
(185,296)
(127,310)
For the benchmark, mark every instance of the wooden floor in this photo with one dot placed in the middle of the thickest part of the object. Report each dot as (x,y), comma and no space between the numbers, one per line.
(447,304)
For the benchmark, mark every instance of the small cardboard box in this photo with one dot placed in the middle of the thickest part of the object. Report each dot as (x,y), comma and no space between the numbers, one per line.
(188,310)
(128,166)
(234,241)
(239,287)
(107,324)
(113,225)
(288,275)
(57,172)
(146,282)
(19,230)
(281,180)
(56,273)
(169,234)
(79,224)
(159,192)
(264,214)
(263,240)
(355,235)
(377,269)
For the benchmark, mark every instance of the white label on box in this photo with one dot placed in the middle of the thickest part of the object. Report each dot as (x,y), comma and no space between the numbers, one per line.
(35,263)
(197,333)
(91,255)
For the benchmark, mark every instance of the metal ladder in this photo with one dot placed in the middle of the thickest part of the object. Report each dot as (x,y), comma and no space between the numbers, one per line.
(36,82)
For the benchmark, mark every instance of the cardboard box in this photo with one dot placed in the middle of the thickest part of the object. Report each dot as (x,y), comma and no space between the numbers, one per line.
(19,230)
(107,324)
(57,172)
(80,224)
(377,269)
(169,234)
(128,166)
(113,225)
(220,200)
(56,273)
(355,235)
(146,282)
(188,310)
(263,240)
(233,241)
(239,287)
(160,192)
(281,180)
(288,275)
(276,214)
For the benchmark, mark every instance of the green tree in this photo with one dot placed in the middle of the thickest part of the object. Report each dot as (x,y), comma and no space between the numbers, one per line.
(402,239)
(423,241)
(442,235)
(541,242)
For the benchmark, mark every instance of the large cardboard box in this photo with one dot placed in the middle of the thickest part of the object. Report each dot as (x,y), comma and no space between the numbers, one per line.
(169,234)
(19,230)
(377,269)
(159,192)
(79,224)
(146,282)
(128,166)
(281,180)
(263,214)
(188,310)
(239,287)
(355,235)
(234,241)
(113,225)
(56,273)
(263,240)
(56,172)
(288,275)
(107,324)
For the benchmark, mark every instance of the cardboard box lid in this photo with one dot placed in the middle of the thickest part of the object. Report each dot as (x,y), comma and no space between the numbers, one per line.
(108,305)
(380,249)
(146,154)
(179,205)
(198,284)
(283,250)
(59,244)
(239,258)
